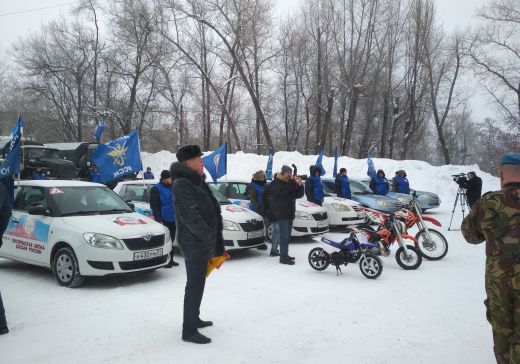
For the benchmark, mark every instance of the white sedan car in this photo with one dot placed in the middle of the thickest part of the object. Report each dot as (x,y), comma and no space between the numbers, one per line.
(309,219)
(81,229)
(344,212)
(243,228)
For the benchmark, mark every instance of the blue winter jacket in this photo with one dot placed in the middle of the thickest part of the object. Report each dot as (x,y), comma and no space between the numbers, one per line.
(166,198)
(402,185)
(379,185)
(343,186)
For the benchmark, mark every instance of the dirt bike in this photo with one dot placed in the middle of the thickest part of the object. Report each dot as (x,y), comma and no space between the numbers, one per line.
(351,250)
(431,243)
(390,231)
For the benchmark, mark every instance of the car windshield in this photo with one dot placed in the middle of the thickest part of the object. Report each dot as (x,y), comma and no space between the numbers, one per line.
(71,201)
(359,188)
(328,187)
(42,153)
(219,196)
(138,193)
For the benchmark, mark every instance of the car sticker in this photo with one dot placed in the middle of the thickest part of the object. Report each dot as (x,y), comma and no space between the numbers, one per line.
(244,204)
(233,208)
(307,204)
(56,191)
(28,227)
(122,221)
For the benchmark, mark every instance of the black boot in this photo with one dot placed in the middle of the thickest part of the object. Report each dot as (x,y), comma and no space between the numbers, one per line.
(4,331)
(203,324)
(286,261)
(274,253)
(196,338)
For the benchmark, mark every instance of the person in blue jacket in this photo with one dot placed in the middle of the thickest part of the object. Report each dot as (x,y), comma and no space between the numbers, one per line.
(342,184)
(148,174)
(94,174)
(401,182)
(379,183)
(256,192)
(314,186)
(38,174)
(161,203)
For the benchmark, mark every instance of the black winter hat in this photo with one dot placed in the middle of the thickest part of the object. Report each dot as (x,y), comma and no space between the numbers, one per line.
(165,174)
(187,152)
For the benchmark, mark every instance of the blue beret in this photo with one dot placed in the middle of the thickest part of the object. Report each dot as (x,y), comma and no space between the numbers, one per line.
(511,158)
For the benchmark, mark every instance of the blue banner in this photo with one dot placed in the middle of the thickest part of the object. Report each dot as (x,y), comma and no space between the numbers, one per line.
(336,156)
(371,172)
(98,132)
(319,163)
(216,162)
(11,163)
(269,168)
(118,158)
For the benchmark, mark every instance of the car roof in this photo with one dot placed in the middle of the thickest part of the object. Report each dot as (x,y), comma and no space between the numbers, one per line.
(64,146)
(140,182)
(37,146)
(58,183)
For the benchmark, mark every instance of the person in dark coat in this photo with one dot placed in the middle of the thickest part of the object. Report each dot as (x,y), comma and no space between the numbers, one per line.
(314,186)
(161,203)
(256,191)
(285,189)
(379,183)
(148,174)
(199,234)
(270,219)
(6,208)
(473,186)
(342,184)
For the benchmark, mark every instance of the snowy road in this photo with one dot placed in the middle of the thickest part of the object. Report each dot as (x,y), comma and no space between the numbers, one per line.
(263,312)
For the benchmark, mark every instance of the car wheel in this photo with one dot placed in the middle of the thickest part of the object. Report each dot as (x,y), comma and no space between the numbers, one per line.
(66,268)
(269,232)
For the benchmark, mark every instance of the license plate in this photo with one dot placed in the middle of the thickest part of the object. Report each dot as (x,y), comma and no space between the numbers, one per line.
(148,254)
(322,224)
(255,234)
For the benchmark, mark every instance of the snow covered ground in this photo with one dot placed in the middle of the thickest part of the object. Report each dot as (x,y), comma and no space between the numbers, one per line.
(265,312)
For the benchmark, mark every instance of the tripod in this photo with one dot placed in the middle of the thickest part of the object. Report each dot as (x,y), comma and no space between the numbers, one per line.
(462,198)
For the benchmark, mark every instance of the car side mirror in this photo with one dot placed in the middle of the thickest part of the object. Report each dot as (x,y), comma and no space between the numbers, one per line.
(131,205)
(38,210)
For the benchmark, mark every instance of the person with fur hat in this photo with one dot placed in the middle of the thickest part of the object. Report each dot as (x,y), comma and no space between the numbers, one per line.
(199,234)
(379,183)
(256,191)
(161,203)
(314,186)
(284,191)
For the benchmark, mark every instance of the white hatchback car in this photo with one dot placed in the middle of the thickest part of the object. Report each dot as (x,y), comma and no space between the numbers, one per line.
(243,228)
(81,229)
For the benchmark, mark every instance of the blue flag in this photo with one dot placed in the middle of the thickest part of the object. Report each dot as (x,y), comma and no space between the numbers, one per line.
(100,128)
(216,162)
(371,172)
(118,158)
(269,168)
(319,163)
(336,156)
(11,163)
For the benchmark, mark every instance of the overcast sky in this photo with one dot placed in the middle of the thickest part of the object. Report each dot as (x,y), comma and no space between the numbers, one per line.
(452,13)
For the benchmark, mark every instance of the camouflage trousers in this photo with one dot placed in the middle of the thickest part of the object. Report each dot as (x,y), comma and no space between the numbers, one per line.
(503,310)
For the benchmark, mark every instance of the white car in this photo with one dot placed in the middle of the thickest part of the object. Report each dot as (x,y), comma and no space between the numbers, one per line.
(243,228)
(344,212)
(309,219)
(81,229)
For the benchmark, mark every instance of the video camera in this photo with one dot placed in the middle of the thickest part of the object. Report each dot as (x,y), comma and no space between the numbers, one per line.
(459,177)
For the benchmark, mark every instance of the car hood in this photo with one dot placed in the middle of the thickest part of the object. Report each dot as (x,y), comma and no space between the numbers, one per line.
(120,226)
(238,214)
(341,201)
(308,207)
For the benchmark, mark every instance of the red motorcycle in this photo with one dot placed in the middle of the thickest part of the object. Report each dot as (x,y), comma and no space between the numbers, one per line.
(392,230)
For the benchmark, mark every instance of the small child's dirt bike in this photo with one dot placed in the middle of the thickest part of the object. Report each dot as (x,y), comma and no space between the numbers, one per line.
(390,231)
(351,250)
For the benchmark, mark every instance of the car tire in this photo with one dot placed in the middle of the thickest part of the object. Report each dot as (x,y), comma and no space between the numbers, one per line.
(66,268)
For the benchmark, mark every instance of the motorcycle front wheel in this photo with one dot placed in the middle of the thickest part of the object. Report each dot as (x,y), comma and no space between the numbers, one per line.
(413,261)
(434,248)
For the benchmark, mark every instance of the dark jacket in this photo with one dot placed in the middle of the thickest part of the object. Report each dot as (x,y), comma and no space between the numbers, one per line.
(342,187)
(158,206)
(267,211)
(473,189)
(5,202)
(256,191)
(148,175)
(282,198)
(314,187)
(197,214)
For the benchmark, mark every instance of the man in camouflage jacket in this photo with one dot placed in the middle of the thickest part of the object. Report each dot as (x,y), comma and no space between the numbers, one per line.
(495,218)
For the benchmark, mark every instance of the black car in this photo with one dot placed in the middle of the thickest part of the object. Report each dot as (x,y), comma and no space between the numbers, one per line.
(48,160)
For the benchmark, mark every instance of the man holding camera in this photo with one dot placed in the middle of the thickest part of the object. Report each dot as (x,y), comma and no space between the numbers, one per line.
(473,186)
(495,218)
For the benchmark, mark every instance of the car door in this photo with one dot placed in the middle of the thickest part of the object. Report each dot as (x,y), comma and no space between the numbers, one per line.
(30,233)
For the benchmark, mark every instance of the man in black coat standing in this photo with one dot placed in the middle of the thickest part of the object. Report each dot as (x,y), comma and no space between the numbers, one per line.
(199,234)
(5,214)
(473,186)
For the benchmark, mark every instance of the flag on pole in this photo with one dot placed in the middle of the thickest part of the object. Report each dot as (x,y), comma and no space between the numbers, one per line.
(98,131)
(11,159)
(319,162)
(269,168)
(336,156)
(118,158)
(216,162)
(371,172)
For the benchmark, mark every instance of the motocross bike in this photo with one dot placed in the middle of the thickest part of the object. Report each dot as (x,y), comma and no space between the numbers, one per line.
(351,250)
(392,230)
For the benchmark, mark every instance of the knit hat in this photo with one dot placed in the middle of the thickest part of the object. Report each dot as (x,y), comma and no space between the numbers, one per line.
(165,174)
(286,169)
(511,158)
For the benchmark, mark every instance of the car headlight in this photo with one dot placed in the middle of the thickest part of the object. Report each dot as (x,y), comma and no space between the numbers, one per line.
(102,241)
(230,225)
(340,207)
(167,236)
(384,203)
(302,215)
